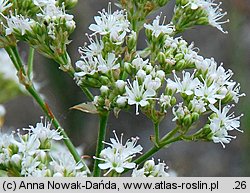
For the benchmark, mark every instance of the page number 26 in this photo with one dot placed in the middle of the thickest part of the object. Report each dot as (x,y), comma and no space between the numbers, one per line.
(240,185)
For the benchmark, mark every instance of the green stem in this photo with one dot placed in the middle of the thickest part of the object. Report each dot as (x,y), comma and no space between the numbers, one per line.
(170,134)
(100,145)
(30,63)
(157,133)
(44,106)
(18,60)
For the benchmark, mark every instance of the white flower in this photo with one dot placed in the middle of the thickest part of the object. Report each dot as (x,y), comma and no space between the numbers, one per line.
(187,85)
(158,28)
(63,164)
(230,122)
(215,16)
(108,64)
(212,10)
(165,100)
(198,105)
(18,23)
(87,66)
(137,95)
(150,169)
(204,64)
(29,165)
(4,4)
(43,131)
(210,93)
(28,146)
(117,157)
(93,49)
(115,24)
(179,111)
(234,91)
(138,63)
(221,123)
(152,83)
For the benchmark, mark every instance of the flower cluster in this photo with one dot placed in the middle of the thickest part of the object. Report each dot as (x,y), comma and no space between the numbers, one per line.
(118,157)
(207,89)
(198,12)
(33,153)
(150,169)
(143,78)
(44,24)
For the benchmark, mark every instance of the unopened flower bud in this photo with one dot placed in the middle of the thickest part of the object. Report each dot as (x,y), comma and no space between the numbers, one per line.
(104,90)
(148,69)
(179,56)
(141,74)
(148,34)
(187,120)
(13,148)
(16,159)
(132,40)
(160,74)
(202,21)
(195,116)
(128,67)
(43,156)
(180,64)
(120,84)
(161,58)
(98,101)
(121,101)
(104,80)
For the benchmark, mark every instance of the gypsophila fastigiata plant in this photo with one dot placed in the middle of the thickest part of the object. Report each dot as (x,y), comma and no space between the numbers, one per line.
(167,78)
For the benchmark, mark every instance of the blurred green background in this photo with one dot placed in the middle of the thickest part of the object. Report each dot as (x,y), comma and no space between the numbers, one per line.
(186,159)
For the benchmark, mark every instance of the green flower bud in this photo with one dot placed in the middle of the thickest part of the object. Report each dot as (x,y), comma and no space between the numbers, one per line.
(148,34)
(173,101)
(179,56)
(202,21)
(13,149)
(128,67)
(99,101)
(46,144)
(91,82)
(104,80)
(187,121)
(195,116)
(131,43)
(180,65)
(161,58)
